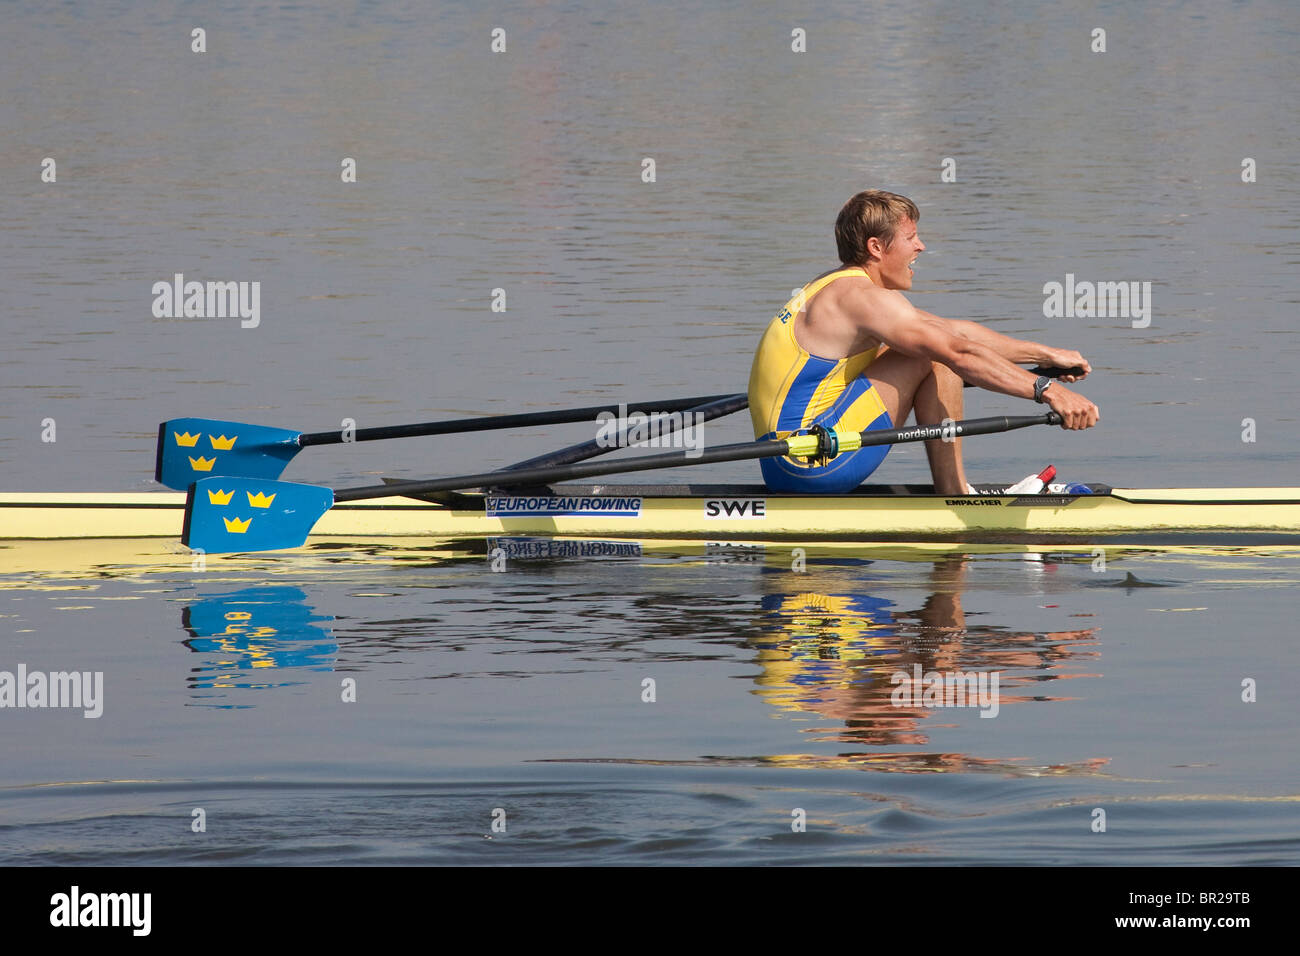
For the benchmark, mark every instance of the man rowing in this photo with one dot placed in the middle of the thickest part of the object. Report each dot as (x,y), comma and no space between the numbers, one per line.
(850,352)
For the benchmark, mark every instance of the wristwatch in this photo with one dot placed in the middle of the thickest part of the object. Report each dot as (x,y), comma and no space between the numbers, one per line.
(1040,386)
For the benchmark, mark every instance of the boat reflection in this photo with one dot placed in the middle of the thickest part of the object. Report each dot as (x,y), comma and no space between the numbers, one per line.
(882,673)
(870,646)
(256,637)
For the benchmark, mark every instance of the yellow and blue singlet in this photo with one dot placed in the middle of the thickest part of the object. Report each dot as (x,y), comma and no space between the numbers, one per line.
(790,391)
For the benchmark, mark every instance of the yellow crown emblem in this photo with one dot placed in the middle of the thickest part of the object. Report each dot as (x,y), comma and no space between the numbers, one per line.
(235,526)
(187,440)
(220,497)
(259,500)
(221,442)
(202,464)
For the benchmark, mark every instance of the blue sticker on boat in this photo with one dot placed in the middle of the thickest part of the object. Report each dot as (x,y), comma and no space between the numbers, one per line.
(554,506)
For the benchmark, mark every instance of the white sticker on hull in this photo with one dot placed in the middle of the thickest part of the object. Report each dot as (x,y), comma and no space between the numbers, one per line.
(577,506)
(731,508)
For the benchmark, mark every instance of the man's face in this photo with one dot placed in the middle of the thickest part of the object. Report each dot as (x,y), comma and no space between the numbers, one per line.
(896,261)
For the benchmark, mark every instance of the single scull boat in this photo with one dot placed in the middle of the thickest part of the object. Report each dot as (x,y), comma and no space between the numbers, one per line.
(234,502)
(718,512)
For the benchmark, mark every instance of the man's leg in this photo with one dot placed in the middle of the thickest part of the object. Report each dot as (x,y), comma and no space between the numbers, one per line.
(934,390)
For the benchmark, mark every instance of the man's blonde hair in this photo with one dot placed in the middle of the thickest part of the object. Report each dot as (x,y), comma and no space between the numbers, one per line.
(872,213)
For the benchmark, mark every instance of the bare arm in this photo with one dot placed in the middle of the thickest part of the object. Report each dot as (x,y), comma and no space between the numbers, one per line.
(1013,350)
(893,320)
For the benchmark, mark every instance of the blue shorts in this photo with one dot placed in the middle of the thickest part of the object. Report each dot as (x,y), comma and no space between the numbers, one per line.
(839,475)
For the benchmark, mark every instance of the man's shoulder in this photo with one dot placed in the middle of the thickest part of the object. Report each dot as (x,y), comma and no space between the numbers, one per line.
(859,294)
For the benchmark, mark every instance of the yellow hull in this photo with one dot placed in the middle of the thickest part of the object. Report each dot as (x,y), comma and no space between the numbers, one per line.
(712,512)
(57,564)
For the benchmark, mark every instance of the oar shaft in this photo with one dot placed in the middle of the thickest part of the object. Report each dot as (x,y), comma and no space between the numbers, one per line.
(972,426)
(489,423)
(591,469)
(590,449)
(738,452)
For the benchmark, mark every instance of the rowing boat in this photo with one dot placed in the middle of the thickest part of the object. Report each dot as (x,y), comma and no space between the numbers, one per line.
(705,511)
(235,502)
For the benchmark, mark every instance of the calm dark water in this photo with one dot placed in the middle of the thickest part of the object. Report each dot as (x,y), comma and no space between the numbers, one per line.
(525,691)
(522,171)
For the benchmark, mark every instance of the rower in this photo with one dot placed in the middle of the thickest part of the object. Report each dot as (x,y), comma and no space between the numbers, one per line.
(850,352)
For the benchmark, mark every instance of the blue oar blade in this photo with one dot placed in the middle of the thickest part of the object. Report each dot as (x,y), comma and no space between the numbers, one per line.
(193,448)
(224,515)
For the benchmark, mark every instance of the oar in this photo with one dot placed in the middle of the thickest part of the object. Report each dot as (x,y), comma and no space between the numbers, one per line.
(194,448)
(708,411)
(711,410)
(223,515)
(627,435)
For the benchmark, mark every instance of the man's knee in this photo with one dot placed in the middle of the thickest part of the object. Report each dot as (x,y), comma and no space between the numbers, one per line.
(915,369)
(944,375)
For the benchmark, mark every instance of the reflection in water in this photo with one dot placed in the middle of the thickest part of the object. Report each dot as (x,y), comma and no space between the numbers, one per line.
(879,671)
(532,547)
(828,641)
(831,643)
(251,637)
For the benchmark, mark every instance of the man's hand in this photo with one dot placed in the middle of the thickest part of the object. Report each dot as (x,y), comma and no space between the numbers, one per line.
(1065,358)
(1076,411)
